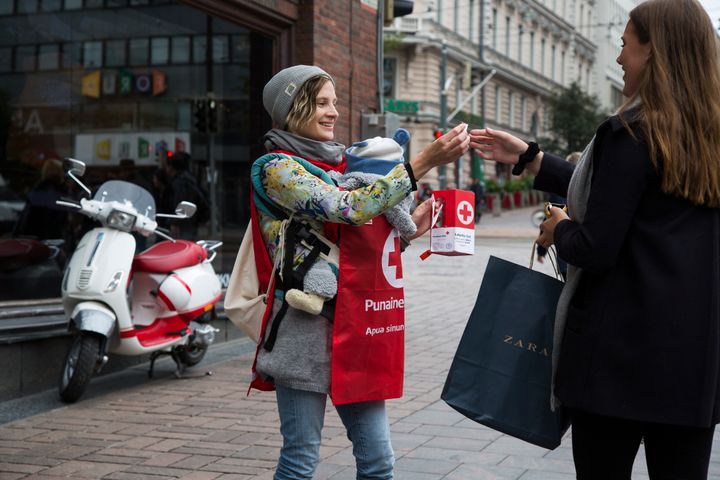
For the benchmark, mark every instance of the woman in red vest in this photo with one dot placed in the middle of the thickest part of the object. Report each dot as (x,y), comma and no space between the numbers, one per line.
(364,327)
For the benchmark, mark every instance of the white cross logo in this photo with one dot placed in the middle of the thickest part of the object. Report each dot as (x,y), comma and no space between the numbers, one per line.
(465,212)
(391,264)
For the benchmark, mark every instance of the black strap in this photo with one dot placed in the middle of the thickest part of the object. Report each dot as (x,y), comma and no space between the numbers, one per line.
(294,279)
(299,274)
(272,335)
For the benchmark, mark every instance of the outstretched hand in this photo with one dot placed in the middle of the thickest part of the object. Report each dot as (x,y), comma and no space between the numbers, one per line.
(497,145)
(444,150)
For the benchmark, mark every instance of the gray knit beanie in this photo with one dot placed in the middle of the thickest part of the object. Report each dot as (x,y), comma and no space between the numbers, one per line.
(281,90)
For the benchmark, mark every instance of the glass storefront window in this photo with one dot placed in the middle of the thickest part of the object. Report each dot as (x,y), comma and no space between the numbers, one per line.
(49,57)
(73,4)
(115,53)
(221,49)
(25,58)
(27,6)
(5,59)
(240,48)
(72,52)
(180,50)
(6,7)
(50,5)
(92,54)
(139,51)
(199,48)
(114,84)
(159,50)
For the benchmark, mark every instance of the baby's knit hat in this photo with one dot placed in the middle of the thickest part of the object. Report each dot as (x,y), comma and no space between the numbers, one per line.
(281,90)
(377,155)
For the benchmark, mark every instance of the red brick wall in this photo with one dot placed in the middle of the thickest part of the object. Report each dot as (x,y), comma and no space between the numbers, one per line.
(340,36)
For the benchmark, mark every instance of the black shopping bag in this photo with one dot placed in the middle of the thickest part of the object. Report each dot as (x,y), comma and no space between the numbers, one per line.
(500,376)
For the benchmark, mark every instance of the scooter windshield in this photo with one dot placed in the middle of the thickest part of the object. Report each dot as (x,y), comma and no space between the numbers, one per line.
(125,192)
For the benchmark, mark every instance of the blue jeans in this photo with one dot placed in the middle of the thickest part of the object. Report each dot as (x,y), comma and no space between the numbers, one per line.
(302,415)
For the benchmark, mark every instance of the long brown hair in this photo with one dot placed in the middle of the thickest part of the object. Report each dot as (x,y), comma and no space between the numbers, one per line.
(679,94)
(303,107)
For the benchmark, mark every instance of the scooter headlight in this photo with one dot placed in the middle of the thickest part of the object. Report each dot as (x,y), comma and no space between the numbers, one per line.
(121,220)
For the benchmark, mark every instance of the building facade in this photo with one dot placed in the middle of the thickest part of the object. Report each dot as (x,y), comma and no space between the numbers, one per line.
(503,60)
(612,16)
(122,84)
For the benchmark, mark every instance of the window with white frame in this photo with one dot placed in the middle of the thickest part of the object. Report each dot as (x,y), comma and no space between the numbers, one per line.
(532,50)
(498,103)
(494,27)
(507,36)
(456,13)
(523,113)
(511,109)
(471,22)
(389,76)
(521,31)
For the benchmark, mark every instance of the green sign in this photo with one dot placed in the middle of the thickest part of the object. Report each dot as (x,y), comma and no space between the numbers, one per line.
(401,106)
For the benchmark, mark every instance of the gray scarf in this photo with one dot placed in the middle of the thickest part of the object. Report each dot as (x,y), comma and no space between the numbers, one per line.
(328,152)
(577,198)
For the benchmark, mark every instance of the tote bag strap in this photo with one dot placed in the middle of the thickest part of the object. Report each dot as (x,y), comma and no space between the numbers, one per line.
(551,252)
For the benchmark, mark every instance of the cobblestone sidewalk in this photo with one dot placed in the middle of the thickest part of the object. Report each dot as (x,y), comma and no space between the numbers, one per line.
(205,427)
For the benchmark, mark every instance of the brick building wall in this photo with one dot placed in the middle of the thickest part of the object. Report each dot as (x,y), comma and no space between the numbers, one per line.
(340,36)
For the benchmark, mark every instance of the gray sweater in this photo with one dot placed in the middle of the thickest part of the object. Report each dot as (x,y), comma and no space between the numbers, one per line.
(300,358)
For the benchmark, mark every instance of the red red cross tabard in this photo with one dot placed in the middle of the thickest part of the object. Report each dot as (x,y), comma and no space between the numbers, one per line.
(369,328)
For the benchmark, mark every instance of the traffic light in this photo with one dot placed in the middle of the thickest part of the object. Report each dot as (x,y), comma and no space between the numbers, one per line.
(437,133)
(397,8)
(212,116)
(200,115)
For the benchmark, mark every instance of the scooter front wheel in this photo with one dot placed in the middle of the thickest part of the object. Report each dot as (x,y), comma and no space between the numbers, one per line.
(192,354)
(79,366)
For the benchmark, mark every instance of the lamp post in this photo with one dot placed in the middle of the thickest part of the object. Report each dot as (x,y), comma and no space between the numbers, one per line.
(442,124)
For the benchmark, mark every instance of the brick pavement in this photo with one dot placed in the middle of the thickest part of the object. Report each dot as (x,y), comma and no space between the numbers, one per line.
(206,428)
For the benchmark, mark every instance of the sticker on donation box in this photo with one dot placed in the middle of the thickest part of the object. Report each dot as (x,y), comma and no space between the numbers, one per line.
(453,223)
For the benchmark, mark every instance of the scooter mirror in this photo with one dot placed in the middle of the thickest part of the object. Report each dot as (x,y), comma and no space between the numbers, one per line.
(185,209)
(76,167)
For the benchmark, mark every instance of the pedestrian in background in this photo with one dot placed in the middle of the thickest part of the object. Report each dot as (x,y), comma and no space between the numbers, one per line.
(478,189)
(42,218)
(301,101)
(637,340)
(184,187)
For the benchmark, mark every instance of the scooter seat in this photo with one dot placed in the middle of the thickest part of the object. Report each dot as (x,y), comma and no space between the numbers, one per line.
(166,256)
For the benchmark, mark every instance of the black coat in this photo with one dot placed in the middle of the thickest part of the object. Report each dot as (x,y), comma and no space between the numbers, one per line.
(642,339)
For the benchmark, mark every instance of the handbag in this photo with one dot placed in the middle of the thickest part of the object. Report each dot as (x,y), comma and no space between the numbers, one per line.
(245,299)
(502,369)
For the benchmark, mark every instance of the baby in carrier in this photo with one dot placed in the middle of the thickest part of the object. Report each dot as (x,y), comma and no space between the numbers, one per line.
(366,162)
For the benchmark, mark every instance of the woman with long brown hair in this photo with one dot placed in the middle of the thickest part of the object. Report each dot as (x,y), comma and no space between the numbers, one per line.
(637,335)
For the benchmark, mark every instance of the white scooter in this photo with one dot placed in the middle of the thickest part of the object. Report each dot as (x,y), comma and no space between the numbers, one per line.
(160,301)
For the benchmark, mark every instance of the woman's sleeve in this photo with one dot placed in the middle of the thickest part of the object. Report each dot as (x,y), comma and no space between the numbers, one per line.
(292,187)
(554,175)
(620,176)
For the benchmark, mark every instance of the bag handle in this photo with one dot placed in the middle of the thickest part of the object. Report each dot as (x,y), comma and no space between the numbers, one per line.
(551,253)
